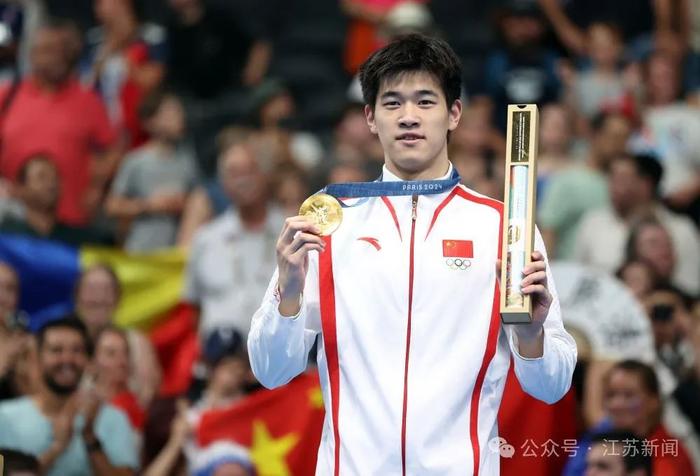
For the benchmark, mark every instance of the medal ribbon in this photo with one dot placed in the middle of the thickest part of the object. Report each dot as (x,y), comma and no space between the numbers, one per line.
(382,189)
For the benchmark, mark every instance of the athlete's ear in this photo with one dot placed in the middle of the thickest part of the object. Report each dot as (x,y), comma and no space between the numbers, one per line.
(454,114)
(369,115)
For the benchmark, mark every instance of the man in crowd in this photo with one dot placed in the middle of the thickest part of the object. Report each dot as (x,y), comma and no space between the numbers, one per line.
(69,431)
(51,113)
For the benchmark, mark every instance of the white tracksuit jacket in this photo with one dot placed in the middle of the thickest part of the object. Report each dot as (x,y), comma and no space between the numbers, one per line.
(412,355)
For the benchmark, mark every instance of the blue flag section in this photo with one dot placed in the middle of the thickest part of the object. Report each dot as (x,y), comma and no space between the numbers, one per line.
(47,274)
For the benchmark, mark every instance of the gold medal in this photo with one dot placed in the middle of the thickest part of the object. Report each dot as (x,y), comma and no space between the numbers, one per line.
(324,211)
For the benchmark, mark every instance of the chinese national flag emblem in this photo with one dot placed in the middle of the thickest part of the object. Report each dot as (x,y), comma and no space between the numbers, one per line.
(457,249)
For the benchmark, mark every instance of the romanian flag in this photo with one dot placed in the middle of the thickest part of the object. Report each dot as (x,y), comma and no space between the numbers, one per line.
(151,289)
(281,427)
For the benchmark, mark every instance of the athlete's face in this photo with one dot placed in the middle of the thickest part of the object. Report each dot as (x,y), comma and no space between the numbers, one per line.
(411,118)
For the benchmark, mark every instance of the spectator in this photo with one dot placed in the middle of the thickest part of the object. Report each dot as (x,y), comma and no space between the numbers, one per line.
(354,142)
(224,458)
(556,144)
(213,51)
(11,25)
(124,62)
(602,86)
(671,129)
(39,191)
(154,180)
(51,113)
(19,464)
(524,69)
(648,25)
(16,358)
(228,372)
(650,242)
(68,432)
(290,188)
(579,188)
(276,142)
(209,200)
(638,277)
(111,368)
(230,257)
(368,20)
(97,296)
(633,183)
(628,459)
(170,458)
(632,402)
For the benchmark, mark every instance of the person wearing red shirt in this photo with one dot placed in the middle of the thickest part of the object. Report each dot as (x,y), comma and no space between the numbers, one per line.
(49,112)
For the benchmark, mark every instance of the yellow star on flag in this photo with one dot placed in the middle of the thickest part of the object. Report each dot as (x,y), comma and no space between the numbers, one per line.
(268,454)
(316,397)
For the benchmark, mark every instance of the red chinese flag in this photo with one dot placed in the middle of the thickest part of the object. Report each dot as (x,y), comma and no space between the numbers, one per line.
(281,427)
(457,249)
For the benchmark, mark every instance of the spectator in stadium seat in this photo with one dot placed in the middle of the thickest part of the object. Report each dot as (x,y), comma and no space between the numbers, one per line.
(213,51)
(231,257)
(633,183)
(39,190)
(650,242)
(97,296)
(671,129)
(51,113)
(523,69)
(628,458)
(70,432)
(153,182)
(16,357)
(124,61)
(110,374)
(582,186)
(632,402)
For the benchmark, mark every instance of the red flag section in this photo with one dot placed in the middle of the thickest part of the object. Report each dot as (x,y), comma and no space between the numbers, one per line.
(457,249)
(281,427)
(176,344)
(541,436)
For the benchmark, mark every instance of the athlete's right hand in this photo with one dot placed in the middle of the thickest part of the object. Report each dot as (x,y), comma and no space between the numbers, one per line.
(299,236)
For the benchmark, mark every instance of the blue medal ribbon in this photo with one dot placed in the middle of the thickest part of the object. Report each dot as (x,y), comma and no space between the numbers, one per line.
(382,189)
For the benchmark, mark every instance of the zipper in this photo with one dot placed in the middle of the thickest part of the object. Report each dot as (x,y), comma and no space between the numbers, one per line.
(414,215)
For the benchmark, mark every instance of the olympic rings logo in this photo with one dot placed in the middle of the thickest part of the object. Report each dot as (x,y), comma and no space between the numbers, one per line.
(458,263)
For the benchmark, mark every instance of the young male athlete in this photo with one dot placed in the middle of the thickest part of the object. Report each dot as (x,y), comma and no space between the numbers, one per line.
(403,298)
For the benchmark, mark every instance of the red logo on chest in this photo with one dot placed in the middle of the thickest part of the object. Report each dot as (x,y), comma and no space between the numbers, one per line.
(372,241)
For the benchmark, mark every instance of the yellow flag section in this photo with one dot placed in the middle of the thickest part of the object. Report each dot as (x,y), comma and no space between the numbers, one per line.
(151,283)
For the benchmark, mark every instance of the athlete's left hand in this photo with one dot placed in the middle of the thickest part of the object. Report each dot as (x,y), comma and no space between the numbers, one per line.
(535,284)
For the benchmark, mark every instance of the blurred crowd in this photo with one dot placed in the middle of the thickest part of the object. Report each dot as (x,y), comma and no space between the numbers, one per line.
(202,124)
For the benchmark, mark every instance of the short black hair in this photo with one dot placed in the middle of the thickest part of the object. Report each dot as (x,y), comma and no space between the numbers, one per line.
(646,374)
(69,321)
(648,167)
(27,163)
(412,53)
(630,447)
(18,461)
